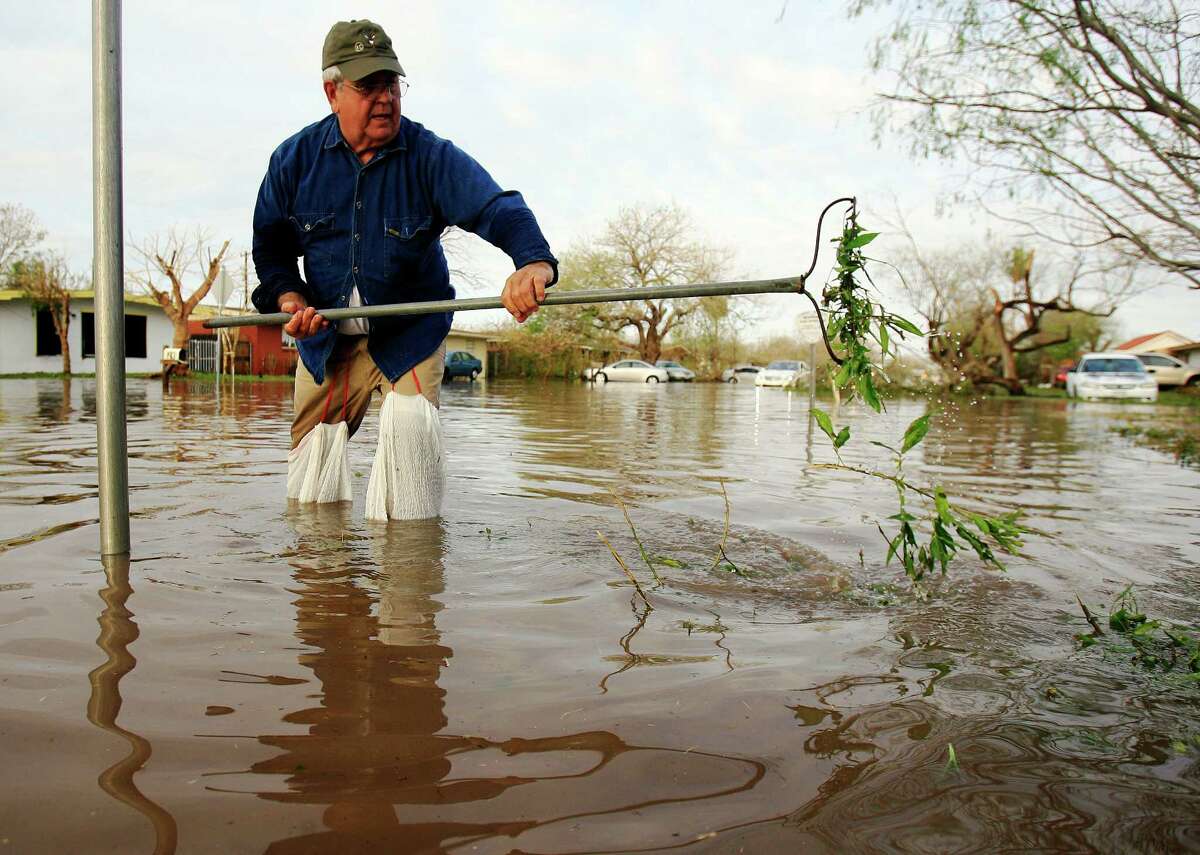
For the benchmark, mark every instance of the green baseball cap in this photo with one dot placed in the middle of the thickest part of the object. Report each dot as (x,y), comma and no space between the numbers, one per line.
(359,48)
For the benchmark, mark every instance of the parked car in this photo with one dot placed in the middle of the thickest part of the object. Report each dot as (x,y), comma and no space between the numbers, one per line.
(676,371)
(1169,371)
(746,372)
(632,371)
(459,363)
(781,372)
(1111,375)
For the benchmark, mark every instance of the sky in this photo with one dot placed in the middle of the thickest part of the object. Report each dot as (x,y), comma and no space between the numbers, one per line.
(749,120)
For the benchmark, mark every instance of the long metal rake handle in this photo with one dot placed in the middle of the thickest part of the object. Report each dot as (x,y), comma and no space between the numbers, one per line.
(787,285)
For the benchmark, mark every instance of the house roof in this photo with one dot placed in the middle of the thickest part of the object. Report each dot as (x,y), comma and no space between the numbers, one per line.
(1185,348)
(480,336)
(7,294)
(1142,339)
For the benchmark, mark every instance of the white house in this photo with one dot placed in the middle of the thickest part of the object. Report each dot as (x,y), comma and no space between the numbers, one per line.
(29,344)
(1159,342)
(1189,353)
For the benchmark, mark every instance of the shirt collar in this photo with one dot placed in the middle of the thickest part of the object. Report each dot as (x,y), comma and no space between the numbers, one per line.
(333,136)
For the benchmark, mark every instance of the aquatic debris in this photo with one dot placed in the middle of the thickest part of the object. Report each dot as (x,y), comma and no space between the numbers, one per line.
(1156,646)
(625,568)
(636,539)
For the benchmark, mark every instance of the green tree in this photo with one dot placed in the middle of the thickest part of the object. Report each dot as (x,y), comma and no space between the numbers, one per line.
(47,283)
(1088,109)
(639,248)
(1066,337)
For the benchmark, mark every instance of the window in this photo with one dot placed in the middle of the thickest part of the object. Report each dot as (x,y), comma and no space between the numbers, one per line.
(1112,365)
(47,339)
(135,335)
(1160,361)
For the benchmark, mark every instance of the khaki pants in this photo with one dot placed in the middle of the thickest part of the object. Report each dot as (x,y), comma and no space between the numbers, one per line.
(351,377)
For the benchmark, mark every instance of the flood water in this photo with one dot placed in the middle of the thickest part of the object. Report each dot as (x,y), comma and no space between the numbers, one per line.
(266,678)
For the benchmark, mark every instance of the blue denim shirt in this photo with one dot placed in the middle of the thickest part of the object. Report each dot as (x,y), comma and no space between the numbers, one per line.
(377,226)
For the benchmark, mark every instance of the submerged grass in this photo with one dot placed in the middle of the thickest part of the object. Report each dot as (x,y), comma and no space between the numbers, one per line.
(1182,443)
(1156,644)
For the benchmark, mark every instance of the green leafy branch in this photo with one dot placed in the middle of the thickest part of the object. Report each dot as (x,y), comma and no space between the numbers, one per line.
(855,321)
(950,527)
(1155,645)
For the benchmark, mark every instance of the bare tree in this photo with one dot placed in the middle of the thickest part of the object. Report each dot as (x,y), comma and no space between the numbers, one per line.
(985,307)
(1018,315)
(456,244)
(20,232)
(47,282)
(643,247)
(175,257)
(1088,108)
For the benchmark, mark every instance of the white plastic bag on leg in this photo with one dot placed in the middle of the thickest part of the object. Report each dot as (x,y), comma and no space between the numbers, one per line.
(318,468)
(408,476)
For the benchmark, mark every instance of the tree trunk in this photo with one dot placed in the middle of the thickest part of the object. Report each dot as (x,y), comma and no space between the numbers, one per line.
(181,331)
(60,313)
(652,346)
(64,343)
(1008,357)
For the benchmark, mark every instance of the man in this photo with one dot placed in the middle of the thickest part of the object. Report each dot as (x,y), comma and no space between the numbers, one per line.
(363,196)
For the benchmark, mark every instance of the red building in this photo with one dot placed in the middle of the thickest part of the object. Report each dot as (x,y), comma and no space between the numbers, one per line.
(259,350)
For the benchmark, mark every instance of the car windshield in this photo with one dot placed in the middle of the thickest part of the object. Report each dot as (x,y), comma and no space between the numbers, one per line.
(1113,366)
(666,363)
(784,365)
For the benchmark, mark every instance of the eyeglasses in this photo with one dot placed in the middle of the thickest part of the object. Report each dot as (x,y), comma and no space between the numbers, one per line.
(395,85)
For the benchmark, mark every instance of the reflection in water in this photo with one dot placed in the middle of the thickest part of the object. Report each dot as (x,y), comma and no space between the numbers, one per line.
(54,401)
(375,754)
(1058,749)
(117,632)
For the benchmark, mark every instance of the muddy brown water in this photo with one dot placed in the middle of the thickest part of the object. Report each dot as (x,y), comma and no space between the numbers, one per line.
(266,678)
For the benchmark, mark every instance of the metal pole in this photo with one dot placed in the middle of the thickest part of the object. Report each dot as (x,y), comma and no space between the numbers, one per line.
(812,372)
(791,285)
(107,265)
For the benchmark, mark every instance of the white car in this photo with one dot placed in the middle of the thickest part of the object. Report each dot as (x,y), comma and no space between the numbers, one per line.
(1112,376)
(631,371)
(1169,371)
(676,371)
(739,373)
(782,372)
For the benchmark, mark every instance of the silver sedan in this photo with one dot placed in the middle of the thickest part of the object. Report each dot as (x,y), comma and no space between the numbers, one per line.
(631,371)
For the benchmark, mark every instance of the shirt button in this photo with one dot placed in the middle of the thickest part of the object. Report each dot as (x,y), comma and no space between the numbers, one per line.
(355,269)
(358,204)
(308,227)
(358,237)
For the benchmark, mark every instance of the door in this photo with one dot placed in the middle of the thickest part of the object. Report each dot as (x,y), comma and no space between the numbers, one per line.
(1164,369)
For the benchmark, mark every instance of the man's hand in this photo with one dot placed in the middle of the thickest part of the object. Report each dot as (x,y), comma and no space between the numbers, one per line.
(525,289)
(305,321)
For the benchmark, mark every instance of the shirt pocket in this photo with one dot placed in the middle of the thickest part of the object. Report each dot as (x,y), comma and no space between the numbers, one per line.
(405,240)
(317,239)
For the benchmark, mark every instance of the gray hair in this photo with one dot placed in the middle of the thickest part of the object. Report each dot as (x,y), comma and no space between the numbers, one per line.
(333,74)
